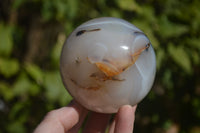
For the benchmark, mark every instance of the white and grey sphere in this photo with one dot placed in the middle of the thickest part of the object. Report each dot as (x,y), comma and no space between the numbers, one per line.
(106,63)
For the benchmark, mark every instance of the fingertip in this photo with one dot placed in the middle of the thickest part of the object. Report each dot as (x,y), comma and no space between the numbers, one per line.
(125,119)
(126,108)
(134,108)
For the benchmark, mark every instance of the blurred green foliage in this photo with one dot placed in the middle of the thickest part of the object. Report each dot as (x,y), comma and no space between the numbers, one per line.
(31,37)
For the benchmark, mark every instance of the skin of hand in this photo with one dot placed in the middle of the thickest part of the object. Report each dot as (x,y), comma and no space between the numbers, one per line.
(70,118)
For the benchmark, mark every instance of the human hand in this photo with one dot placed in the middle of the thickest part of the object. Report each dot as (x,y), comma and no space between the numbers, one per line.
(69,119)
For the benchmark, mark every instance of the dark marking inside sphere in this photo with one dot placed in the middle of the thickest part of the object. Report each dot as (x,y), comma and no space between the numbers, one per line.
(116,79)
(94,30)
(80,32)
(92,88)
(73,81)
(83,31)
(147,46)
(78,60)
(105,60)
(103,77)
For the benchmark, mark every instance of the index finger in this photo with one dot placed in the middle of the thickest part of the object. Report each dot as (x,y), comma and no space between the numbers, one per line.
(124,120)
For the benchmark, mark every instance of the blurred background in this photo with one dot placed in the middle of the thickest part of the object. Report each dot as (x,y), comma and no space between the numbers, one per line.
(32,33)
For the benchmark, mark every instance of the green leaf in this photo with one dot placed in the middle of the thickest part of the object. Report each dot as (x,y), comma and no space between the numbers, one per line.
(35,72)
(58,48)
(193,42)
(155,118)
(194,45)
(168,29)
(195,57)
(22,86)
(34,89)
(115,13)
(66,8)
(129,5)
(47,10)
(17,3)
(180,56)
(9,67)
(72,7)
(16,127)
(6,91)
(147,14)
(6,42)
(160,56)
(167,80)
(59,10)
(167,124)
(55,90)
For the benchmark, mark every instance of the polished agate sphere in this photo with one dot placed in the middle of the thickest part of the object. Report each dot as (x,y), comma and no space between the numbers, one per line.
(106,63)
